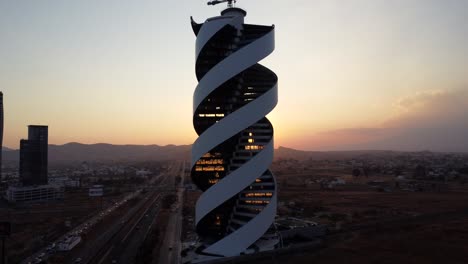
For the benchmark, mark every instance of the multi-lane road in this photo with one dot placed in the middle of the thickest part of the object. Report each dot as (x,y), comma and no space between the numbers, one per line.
(170,249)
(45,253)
(123,245)
(119,239)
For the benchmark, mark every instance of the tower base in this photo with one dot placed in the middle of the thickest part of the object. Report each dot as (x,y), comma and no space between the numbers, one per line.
(268,242)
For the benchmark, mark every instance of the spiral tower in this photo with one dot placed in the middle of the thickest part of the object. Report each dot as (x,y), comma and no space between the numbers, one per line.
(232,155)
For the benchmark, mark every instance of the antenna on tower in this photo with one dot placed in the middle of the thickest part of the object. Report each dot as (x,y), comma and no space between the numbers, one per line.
(230,3)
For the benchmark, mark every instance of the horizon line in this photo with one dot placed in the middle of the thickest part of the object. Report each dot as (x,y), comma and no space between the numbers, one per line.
(302,150)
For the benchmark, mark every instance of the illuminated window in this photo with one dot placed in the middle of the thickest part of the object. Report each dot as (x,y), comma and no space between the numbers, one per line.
(253,147)
(258,194)
(250,134)
(213,168)
(208,168)
(211,115)
(213,181)
(256,202)
(251,140)
(210,162)
(218,220)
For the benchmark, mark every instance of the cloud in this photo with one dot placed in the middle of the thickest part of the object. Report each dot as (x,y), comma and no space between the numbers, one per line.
(365,131)
(418,100)
(432,120)
(432,109)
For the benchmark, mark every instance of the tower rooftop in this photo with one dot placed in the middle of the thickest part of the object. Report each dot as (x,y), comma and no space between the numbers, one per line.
(233,11)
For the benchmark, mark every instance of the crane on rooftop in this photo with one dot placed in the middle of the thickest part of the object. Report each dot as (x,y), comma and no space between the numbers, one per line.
(229,2)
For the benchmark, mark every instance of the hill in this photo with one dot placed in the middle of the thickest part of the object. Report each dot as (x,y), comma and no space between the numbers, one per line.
(73,152)
(289,153)
(7,149)
(77,152)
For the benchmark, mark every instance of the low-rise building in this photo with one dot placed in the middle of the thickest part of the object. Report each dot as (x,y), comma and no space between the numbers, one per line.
(36,193)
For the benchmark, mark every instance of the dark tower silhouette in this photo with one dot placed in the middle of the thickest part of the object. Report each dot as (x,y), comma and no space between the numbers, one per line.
(33,156)
(1,132)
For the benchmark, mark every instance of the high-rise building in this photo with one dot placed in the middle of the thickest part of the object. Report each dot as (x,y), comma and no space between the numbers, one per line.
(33,156)
(1,132)
(232,155)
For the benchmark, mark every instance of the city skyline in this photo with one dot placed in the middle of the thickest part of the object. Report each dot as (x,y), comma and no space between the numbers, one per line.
(370,74)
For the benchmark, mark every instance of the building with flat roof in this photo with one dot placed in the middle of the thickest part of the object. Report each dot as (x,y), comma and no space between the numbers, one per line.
(15,194)
(34,156)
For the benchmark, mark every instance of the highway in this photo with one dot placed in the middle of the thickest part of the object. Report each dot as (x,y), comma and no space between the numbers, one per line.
(171,248)
(118,240)
(120,244)
(43,254)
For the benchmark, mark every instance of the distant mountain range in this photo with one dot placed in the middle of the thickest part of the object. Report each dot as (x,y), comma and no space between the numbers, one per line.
(289,153)
(77,152)
(6,149)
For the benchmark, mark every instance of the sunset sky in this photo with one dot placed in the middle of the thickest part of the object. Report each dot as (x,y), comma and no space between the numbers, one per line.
(357,74)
